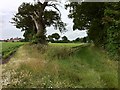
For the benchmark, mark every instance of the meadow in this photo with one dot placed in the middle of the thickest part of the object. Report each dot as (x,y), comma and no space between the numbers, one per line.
(9,47)
(66,65)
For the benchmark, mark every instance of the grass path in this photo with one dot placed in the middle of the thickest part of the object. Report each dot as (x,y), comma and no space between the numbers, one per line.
(55,66)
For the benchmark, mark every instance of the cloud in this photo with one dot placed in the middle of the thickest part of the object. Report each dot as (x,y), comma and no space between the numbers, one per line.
(11,5)
(8,30)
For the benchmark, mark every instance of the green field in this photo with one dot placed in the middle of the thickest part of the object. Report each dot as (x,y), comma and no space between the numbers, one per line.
(63,65)
(65,44)
(9,47)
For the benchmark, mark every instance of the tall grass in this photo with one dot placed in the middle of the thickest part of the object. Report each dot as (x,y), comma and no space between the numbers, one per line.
(62,66)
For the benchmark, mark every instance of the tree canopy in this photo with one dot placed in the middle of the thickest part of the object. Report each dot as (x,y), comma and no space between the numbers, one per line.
(33,18)
(102,20)
(64,38)
(55,36)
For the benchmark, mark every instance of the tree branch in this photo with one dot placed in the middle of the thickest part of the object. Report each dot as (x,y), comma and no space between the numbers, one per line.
(36,14)
(45,4)
(38,1)
(34,21)
(54,6)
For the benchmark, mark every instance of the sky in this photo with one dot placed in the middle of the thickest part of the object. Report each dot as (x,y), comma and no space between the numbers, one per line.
(8,8)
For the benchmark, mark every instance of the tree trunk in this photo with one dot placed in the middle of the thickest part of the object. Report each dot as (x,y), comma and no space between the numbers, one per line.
(40,26)
(40,35)
(39,23)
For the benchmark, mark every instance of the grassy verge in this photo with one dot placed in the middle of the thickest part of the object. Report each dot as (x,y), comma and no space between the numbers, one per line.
(61,66)
(9,47)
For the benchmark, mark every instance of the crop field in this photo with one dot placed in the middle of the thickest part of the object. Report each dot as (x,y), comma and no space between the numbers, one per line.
(9,47)
(65,44)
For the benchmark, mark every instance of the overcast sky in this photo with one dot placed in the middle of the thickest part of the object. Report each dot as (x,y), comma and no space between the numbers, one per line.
(9,7)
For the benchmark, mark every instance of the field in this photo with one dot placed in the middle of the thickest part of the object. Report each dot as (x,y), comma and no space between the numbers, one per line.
(65,44)
(9,47)
(66,65)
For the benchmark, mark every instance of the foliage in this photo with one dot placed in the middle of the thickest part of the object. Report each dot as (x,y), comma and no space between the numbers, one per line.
(34,18)
(55,36)
(87,16)
(65,39)
(102,20)
(50,38)
(113,28)
(82,40)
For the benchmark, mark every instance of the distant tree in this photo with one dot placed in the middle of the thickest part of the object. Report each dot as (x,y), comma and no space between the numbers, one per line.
(85,39)
(55,36)
(11,38)
(82,40)
(77,39)
(65,39)
(50,38)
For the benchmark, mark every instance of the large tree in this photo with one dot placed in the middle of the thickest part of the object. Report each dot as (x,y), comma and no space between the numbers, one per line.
(88,16)
(34,18)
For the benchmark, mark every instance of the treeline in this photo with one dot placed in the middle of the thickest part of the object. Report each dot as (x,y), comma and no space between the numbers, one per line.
(55,38)
(102,20)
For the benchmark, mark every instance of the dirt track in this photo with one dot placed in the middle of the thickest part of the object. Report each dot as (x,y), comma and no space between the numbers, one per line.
(7,59)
